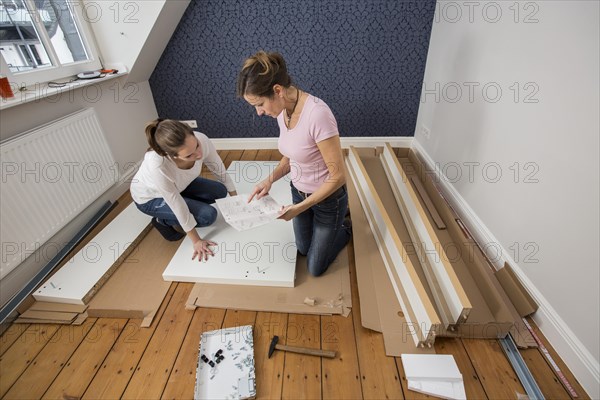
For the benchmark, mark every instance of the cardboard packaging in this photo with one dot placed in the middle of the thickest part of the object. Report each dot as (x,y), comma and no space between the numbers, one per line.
(492,315)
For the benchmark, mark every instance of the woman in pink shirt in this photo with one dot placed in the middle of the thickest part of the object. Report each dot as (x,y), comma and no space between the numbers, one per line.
(310,144)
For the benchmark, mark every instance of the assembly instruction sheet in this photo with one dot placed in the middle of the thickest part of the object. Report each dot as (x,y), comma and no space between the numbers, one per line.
(242,215)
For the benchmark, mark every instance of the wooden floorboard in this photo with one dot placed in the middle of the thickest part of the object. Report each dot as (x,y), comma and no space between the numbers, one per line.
(497,376)
(302,373)
(22,352)
(275,155)
(232,155)
(249,155)
(152,373)
(378,373)
(40,373)
(119,366)
(561,364)
(77,373)
(269,378)
(114,358)
(182,380)
(549,384)
(341,375)
(263,155)
(473,387)
(235,318)
(11,335)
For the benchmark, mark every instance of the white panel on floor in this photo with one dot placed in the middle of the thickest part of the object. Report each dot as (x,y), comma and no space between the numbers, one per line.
(72,282)
(263,256)
(434,374)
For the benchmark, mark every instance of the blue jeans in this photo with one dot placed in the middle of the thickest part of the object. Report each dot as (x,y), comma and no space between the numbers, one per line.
(198,196)
(320,232)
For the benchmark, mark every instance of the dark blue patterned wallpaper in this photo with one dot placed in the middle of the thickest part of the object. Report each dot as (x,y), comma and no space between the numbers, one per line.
(365,58)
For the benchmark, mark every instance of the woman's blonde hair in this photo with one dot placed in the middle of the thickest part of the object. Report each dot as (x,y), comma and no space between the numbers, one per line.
(260,73)
(166,136)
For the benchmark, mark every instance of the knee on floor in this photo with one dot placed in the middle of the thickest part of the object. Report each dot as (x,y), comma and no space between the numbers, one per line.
(316,269)
(207,217)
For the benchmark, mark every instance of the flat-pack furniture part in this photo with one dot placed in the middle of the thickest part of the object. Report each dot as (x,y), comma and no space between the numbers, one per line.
(491,314)
(262,256)
(450,297)
(79,280)
(416,305)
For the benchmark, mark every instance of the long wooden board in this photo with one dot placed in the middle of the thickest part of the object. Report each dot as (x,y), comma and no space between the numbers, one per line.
(452,301)
(417,307)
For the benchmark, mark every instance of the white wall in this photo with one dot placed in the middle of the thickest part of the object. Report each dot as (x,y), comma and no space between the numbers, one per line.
(123,109)
(546,218)
(134,33)
(121,27)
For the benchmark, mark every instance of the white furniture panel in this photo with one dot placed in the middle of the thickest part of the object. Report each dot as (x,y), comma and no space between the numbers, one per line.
(263,256)
(74,280)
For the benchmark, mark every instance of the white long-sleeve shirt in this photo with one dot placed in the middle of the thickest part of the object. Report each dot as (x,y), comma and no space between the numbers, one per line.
(160,177)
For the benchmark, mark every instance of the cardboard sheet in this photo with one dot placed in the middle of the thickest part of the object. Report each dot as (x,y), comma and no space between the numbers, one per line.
(331,292)
(58,307)
(519,296)
(49,315)
(137,288)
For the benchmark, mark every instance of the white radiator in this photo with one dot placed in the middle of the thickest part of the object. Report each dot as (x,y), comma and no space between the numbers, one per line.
(49,175)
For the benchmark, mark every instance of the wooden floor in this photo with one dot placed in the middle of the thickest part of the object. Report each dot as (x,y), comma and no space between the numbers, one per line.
(108,358)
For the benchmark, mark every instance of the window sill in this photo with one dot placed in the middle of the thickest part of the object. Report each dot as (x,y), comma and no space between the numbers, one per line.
(41,91)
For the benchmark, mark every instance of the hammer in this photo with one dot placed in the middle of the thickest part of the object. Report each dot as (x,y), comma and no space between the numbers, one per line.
(301,350)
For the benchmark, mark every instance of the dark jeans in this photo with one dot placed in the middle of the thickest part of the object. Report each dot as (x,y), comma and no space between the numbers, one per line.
(198,196)
(320,234)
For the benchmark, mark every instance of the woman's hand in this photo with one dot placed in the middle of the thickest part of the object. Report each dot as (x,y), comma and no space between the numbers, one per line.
(289,212)
(260,190)
(202,249)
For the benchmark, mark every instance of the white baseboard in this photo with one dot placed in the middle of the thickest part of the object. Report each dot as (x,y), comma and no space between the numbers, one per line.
(271,142)
(578,358)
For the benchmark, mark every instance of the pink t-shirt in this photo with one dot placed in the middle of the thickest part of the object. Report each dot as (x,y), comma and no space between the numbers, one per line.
(307,167)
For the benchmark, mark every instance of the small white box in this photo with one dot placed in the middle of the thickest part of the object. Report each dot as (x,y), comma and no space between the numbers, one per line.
(234,376)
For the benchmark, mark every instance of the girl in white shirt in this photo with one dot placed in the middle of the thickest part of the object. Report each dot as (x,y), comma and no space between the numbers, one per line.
(168,186)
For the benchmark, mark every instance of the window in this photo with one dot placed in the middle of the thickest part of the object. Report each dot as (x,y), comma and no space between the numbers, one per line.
(44,40)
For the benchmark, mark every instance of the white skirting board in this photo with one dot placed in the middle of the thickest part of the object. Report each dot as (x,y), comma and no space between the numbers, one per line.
(271,142)
(263,256)
(71,283)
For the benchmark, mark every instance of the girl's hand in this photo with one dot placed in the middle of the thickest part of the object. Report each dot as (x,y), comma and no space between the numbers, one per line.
(202,249)
(260,190)
(288,212)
